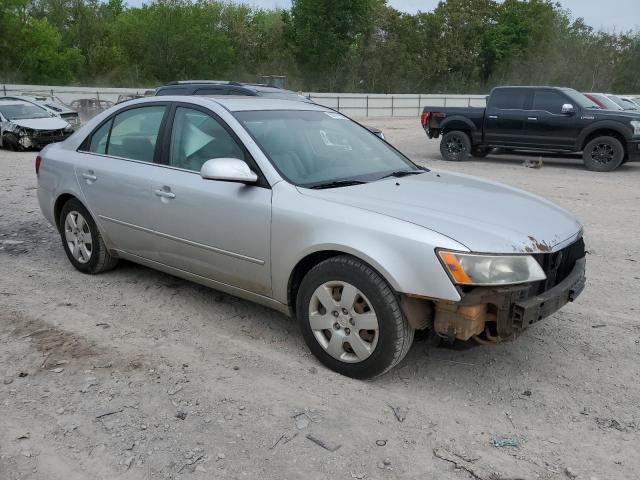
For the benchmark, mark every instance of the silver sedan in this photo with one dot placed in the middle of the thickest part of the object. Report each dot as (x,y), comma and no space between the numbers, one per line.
(299,208)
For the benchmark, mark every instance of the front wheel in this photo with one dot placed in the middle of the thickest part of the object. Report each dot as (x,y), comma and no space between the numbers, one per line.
(603,154)
(351,319)
(10,142)
(455,146)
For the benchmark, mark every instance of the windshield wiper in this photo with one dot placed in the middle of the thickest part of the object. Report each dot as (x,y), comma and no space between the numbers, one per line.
(337,183)
(402,173)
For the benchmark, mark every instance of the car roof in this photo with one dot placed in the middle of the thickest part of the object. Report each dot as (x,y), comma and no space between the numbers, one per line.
(15,101)
(241,103)
(238,103)
(257,87)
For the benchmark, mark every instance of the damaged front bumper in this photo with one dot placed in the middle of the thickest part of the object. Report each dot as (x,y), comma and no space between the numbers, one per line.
(39,139)
(490,314)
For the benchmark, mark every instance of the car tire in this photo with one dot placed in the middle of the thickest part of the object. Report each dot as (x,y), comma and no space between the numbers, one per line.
(480,152)
(603,154)
(335,333)
(10,142)
(455,146)
(82,241)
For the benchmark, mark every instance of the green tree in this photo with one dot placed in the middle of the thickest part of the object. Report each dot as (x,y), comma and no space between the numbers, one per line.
(323,32)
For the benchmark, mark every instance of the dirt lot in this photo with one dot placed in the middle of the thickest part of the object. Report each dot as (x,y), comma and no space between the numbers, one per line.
(135,374)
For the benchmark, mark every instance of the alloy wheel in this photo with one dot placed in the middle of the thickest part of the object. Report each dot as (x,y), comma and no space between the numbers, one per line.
(455,145)
(602,153)
(78,236)
(343,321)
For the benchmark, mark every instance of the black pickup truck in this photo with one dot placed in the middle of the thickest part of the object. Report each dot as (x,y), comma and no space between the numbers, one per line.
(537,118)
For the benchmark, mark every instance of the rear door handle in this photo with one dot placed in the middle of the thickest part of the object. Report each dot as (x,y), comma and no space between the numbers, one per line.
(532,118)
(493,117)
(164,193)
(89,176)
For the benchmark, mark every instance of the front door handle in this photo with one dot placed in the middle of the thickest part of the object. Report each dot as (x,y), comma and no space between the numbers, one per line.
(89,176)
(164,193)
(534,119)
(493,117)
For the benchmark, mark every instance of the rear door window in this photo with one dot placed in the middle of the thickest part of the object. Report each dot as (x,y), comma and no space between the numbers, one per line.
(134,134)
(509,98)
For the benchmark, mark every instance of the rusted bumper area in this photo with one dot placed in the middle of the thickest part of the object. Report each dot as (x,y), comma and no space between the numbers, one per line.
(490,314)
(531,310)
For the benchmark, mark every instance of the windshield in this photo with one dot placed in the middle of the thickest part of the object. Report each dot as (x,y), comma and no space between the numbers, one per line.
(312,148)
(624,105)
(21,112)
(580,99)
(607,102)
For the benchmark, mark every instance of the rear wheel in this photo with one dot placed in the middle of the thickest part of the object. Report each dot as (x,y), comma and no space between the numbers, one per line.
(82,240)
(455,146)
(351,319)
(603,154)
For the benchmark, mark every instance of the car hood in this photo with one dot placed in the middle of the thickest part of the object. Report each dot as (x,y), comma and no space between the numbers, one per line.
(49,123)
(484,216)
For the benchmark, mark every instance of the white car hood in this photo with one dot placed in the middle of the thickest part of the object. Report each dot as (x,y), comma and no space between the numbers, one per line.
(49,123)
(484,216)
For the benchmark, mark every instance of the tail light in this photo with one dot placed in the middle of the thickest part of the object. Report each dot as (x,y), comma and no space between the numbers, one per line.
(38,162)
(424,118)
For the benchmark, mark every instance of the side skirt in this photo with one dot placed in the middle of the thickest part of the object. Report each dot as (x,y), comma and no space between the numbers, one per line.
(207,282)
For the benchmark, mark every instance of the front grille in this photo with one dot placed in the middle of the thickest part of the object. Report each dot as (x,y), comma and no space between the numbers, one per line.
(558,265)
(44,134)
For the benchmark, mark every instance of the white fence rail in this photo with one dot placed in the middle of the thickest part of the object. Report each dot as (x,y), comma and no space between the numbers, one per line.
(352,104)
(392,105)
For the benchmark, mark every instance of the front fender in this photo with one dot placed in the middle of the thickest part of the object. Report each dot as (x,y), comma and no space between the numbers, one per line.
(403,253)
(614,125)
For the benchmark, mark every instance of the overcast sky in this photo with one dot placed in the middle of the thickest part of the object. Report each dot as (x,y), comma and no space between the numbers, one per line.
(606,15)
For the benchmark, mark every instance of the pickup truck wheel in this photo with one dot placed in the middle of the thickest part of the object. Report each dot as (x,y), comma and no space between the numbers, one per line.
(603,154)
(455,146)
(351,319)
(82,240)
(480,152)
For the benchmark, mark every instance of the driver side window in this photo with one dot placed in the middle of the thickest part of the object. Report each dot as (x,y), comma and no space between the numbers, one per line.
(549,101)
(197,137)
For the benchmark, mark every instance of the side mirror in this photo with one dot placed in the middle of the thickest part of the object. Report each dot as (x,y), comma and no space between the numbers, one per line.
(228,170)
(568,109)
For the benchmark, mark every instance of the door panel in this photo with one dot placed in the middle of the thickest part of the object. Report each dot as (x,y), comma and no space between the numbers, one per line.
(505,116)
(219,230)
(118,188)
(546,125)
(118,193)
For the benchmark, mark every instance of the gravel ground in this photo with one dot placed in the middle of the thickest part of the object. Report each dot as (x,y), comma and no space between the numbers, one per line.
(135,374)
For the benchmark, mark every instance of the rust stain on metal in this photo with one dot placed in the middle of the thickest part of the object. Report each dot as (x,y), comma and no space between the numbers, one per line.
(540,246)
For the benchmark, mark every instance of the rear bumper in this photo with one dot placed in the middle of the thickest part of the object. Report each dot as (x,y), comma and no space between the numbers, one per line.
(633,150)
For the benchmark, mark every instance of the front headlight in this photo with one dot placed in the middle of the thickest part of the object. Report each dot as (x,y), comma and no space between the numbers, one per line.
(636,126)
(478,269)
(68,129)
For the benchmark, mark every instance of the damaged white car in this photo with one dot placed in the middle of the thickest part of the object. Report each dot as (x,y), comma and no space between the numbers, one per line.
(24,125)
